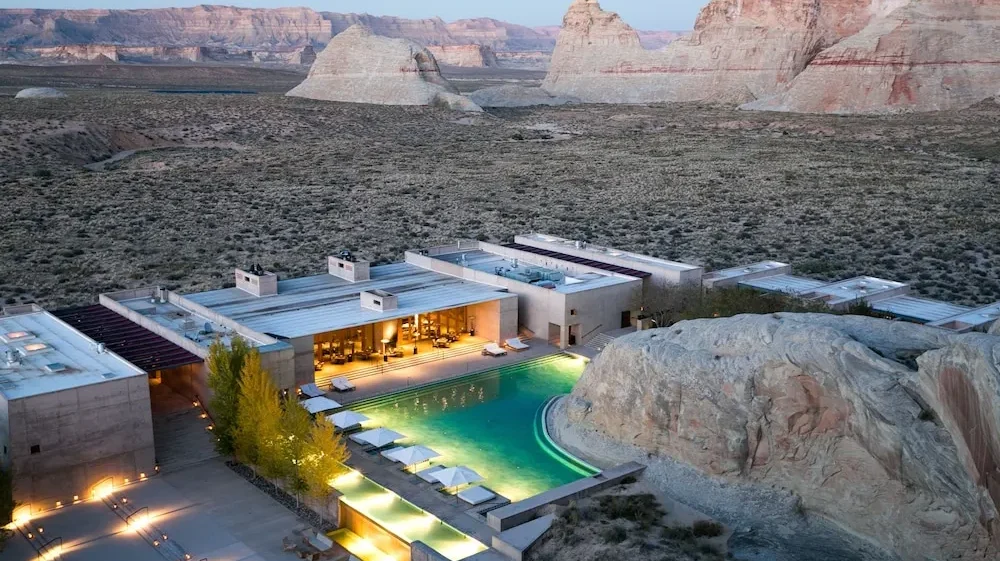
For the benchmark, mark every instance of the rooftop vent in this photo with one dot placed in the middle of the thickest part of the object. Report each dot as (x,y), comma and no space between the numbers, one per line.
(379,300)
(55,367)
(257,281)
(11,358)
(108,375)
(348,268)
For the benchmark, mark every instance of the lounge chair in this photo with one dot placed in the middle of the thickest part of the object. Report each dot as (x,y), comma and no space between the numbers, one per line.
(492,349)
(476,495)
(387,453)
(311,390)
(342,384)
(426,474)
(516,344)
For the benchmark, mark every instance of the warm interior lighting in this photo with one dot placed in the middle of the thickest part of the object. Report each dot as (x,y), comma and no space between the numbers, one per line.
(15,335)
(346,479)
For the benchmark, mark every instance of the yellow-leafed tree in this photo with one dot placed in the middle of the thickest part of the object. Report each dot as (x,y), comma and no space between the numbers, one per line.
(258,440)
(225,366)
(296,424)
(325,457)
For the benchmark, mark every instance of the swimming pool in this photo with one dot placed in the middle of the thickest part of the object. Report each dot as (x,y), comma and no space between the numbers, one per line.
(491,422)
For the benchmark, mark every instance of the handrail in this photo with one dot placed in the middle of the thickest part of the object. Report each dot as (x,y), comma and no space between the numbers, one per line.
(589,333)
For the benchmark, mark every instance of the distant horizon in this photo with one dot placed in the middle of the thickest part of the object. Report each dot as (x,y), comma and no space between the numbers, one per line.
(640,14)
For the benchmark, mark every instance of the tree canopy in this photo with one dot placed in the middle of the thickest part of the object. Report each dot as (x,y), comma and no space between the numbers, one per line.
(225,367)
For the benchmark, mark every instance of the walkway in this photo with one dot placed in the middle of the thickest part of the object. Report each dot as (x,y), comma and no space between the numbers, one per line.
(445,369)
(179,432)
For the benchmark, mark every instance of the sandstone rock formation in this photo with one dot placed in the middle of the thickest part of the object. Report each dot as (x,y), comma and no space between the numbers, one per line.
(360,67)
(468,56)
(739,51)
(516,96)
(926,56)
(39,93)
(890,429)
(198,25)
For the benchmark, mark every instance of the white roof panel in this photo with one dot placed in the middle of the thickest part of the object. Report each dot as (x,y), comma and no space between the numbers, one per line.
(919,309)
(788,284)
(51,356)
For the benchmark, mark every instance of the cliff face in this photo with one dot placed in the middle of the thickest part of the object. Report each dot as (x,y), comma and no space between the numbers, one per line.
(199,25)
(740,50)
(495,34)
(833,409)
(927,56)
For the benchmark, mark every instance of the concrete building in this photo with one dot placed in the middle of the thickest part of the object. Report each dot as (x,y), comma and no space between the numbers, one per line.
(889,297)
(560,298)
(72,414)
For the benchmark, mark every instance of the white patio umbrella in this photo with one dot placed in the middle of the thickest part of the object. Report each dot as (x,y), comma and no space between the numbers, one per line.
(379,437)
(346,419)
(319,404)
(453,477)
(414,455)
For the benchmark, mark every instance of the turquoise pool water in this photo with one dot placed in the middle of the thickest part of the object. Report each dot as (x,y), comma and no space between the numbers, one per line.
(490,422)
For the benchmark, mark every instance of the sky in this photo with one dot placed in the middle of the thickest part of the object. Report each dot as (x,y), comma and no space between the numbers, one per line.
(641,14)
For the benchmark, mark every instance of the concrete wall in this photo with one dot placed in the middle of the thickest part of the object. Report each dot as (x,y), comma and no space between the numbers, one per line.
(85,434)
(496,321)
(303,360)
(419,551)
(600,310)
(4,433)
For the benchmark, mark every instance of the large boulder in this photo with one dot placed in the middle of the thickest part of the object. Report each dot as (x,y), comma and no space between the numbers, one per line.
(740,50)
(39,92)
(927,56)
(358,66)
(889,429)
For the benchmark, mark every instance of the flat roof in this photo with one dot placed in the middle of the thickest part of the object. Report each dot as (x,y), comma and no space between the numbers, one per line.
(788,284)
(128,339)
(609,267)
(733,272)
(188,323)
(322,303)
(599,250)
(525,271)
(857,288)
(919,309)
(52,356)
(973,317)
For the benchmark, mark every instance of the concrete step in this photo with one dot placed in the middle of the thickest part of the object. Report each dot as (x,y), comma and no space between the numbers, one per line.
(182,439)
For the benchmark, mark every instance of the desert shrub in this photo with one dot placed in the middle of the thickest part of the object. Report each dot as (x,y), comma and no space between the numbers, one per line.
(706,529)
(642,509)
(615,533)
(677,533)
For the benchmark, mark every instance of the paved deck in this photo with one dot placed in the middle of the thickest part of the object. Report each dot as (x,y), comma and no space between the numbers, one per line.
(179,433)
(445,369)
(207,509)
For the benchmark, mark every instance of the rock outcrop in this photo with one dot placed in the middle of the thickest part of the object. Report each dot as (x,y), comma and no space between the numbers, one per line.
(927,56)
(39,93)
(467,56)
(889,429)
(740,50)
(361,67)
(516,96)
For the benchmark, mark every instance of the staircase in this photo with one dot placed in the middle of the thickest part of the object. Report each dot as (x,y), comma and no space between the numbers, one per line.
(599,341)
(47,547)
(136,517)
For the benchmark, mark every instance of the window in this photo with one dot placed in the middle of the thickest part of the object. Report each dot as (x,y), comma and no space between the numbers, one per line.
(36,448)
(377,302)
(341,265)
(572,312)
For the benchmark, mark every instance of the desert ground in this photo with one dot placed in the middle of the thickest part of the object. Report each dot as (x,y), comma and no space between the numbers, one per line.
(220,181)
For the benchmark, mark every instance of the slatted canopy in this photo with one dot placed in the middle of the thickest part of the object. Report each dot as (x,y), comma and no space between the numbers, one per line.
(127,339)
(580,260)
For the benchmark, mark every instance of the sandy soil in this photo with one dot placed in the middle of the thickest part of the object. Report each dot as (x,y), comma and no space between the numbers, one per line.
(911,197)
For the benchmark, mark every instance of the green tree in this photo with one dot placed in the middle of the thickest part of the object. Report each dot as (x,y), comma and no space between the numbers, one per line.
(225,365)
(324,461)
(7,503)
(296,425)
(257,439)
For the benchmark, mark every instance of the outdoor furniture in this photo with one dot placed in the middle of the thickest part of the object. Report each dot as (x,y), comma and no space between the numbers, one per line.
(346,419)
(342,384)
(377,438)
(339,359)
(441,343)
(428,474)
(413,455)
(320,404)
(395,353)
(288,544)
(311,390)
(476,495)
(492,349)
(516,344)
(456,477)
(387,453)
